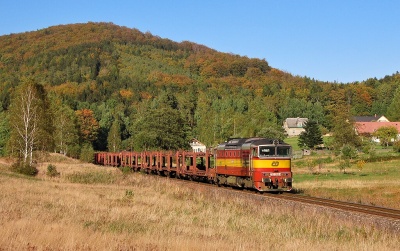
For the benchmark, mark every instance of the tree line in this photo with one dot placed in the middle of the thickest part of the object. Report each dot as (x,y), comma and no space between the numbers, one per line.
(113,88)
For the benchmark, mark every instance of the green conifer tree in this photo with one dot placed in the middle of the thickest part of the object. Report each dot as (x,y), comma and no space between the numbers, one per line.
(394,108)
(312,135)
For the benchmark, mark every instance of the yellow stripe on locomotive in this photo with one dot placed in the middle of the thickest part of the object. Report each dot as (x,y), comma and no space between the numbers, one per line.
(271,163)
(231,162)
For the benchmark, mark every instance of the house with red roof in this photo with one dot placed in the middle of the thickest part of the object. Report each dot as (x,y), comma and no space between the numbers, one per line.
(368,128)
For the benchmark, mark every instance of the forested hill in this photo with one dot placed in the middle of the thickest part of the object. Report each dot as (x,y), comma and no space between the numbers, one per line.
(123,74)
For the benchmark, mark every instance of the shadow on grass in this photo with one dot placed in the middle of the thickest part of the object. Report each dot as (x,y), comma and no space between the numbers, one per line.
(297,191)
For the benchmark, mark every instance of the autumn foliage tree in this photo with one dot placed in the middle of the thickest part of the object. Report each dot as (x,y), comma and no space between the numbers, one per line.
(88,125)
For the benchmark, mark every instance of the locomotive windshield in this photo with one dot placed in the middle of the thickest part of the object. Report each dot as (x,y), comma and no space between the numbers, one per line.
(283,151)
(268,151)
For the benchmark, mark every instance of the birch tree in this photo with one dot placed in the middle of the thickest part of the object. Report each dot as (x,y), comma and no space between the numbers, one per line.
(114,136)
(30,123)
(66,132)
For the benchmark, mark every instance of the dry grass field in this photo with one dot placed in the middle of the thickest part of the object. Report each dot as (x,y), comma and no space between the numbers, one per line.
(97,208)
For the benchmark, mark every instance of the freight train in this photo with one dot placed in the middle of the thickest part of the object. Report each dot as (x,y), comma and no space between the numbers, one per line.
(252,163)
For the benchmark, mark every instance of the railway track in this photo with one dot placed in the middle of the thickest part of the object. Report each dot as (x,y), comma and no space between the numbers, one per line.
(346,206)
(387,213)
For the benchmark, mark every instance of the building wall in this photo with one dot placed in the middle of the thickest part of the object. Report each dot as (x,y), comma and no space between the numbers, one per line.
(198,146)
(294,131)
(294,126)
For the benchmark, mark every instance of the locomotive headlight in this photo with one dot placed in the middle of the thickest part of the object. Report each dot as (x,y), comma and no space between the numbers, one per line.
(266,180)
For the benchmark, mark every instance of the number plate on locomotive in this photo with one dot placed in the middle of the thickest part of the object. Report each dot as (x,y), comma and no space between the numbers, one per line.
(275,174)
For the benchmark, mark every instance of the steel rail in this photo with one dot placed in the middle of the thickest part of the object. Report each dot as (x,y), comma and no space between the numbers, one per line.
(388,213)
(342,205)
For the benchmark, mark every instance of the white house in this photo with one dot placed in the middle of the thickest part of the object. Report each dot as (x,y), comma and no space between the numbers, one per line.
(197,146)
(294,126)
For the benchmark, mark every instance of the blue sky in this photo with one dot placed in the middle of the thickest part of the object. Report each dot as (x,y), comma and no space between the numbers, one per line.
(328,40)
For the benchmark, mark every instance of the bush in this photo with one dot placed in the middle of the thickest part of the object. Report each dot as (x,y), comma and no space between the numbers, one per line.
(23,168)
(125,170)
(87,153)
(52,171)
(368,148)
(396,146)
(74,151)
(348,152)
(379,158)
(344,164)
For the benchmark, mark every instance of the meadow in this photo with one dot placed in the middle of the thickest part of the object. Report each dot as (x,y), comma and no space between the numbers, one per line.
(370,179)
(90,207)
(376,183)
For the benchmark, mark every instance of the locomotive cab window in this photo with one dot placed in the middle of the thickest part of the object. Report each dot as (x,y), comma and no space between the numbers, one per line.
(254,153)
(266,151)
(283,151)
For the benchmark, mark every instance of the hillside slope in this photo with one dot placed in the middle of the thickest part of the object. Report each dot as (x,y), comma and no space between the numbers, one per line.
(117,70)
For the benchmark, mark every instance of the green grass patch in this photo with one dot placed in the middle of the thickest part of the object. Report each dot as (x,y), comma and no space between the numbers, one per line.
(329,177)
(372,171)
(293,142)
(17,175)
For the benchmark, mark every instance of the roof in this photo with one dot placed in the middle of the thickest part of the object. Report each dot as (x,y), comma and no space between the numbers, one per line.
(195,142)
(374,118)
(246,143)
(295,122)
(370,127)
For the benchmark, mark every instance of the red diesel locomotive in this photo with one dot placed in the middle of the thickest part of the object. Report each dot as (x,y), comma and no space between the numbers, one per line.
(259,163)
(253,163)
